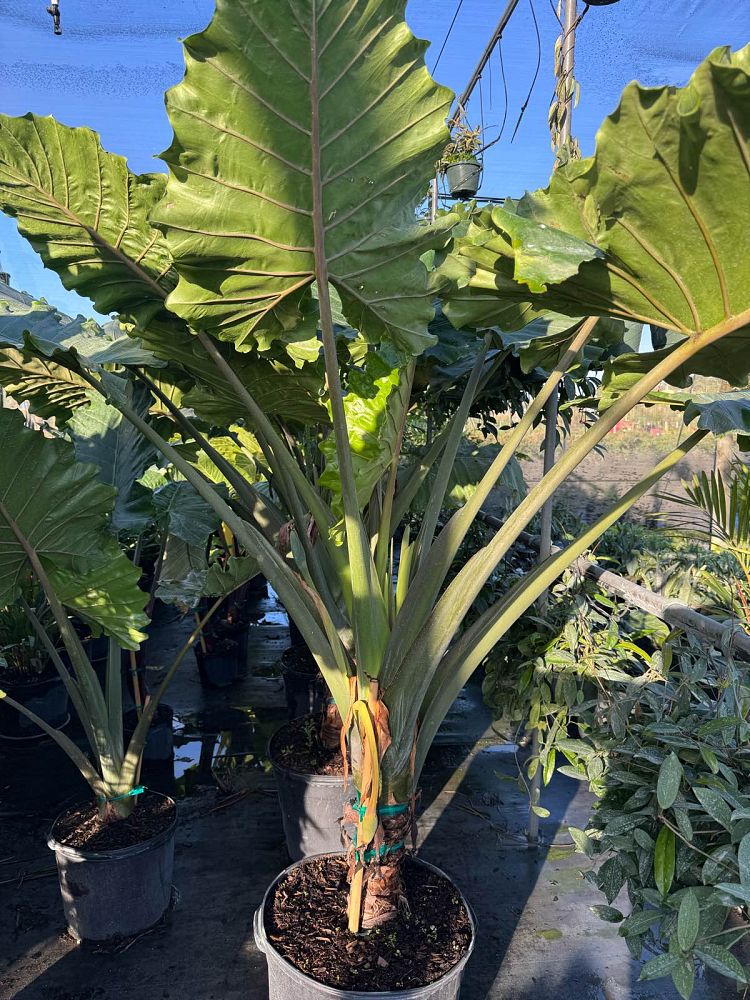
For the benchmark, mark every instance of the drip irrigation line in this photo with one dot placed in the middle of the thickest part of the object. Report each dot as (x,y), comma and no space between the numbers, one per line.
(536,71)
(448,34)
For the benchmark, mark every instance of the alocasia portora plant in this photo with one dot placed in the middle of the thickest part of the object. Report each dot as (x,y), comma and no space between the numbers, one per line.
(313,180)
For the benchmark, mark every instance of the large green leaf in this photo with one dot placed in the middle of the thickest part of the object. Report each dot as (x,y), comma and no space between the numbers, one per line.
(51,390)
(278,389)
(185,514)
(291,114)
(542,343)
(86,215)
(102,435)
(471,463)
(374,420)
(183,573)
(44,332)
(62,512)
(666,198)
(222,581)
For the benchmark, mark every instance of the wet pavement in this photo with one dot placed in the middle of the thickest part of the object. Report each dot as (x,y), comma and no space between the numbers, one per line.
(537,938)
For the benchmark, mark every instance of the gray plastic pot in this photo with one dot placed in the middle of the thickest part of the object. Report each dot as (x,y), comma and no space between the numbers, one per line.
(286,982)
(109,894)
(463,178)
(311,807)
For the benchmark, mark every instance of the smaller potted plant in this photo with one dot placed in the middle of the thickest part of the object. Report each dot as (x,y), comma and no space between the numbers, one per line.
(28,673)
(115,850)
(460,163)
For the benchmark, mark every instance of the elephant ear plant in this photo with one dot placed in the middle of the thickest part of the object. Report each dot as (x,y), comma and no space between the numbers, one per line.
(309,184)
(55,530)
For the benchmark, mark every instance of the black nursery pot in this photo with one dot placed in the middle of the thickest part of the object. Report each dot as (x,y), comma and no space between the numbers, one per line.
(47,698)
(160,741)
(304,687)
(116,893)
(217,665)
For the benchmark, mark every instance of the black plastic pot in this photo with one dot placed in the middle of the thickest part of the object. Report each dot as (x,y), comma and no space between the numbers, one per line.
(464,178)
(37,776)
(47,698)
(311,806)
(286,982)
(159,742)
(218,667)
(257,586)
(306,694)
(111,894)
(304,687)
(296,636)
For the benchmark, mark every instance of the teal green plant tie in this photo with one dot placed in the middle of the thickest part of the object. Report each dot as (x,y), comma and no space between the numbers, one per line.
(397,809)
(126,795)
(384,849)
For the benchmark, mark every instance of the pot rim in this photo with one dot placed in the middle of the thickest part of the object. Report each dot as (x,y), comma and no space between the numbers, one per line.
(473,164)
(119,853)
(51,679)
(34,738)
(305,776)
(414,992)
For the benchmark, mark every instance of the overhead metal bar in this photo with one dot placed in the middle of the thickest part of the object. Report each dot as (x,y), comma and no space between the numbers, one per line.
(463,100)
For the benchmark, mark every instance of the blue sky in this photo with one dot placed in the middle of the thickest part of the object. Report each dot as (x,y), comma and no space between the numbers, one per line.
(111,66)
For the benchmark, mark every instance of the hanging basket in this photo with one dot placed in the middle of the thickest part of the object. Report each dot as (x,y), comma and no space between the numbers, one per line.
(601,3)
(464,179)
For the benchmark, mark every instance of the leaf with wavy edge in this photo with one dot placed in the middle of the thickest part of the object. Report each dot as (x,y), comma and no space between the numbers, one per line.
(86,215)
(278,389)
(51,390)
(184,513)
(63,512)
(273,94)
(655,199)
(45,333)
(221,581)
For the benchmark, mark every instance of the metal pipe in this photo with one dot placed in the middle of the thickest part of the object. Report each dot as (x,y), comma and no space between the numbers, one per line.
(463,100)
(568,66)
(551,410)
(673,612)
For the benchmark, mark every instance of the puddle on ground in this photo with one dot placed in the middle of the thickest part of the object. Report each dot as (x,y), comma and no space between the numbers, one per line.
(204,756)
(505,748)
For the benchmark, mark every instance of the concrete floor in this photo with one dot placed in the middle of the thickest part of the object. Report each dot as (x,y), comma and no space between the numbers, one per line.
(537,938)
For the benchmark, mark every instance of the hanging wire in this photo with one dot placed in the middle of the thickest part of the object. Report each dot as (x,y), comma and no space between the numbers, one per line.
(448,33)
(499,136)
(554,11)
(481,106)
(536,71)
